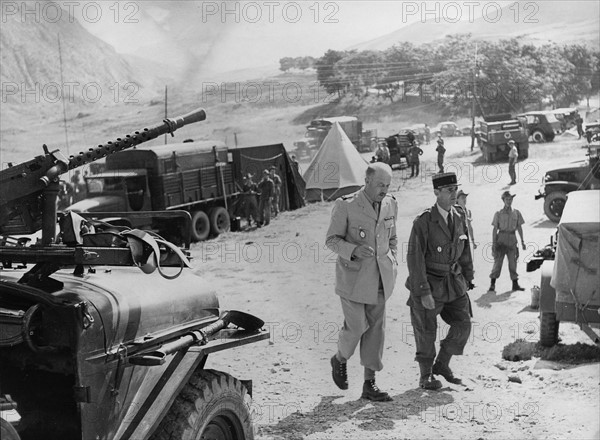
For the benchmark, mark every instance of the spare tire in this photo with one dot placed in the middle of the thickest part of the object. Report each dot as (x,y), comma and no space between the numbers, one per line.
(554,203)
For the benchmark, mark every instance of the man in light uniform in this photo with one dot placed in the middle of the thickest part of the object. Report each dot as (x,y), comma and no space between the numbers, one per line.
(363,234)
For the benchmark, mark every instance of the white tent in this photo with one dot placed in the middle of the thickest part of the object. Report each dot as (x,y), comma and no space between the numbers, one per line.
(336,170)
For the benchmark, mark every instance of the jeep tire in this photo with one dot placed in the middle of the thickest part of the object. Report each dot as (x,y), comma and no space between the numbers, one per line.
(7,431)
(200,226)
(554,203)
(538,136)
(548,329)
(212,405)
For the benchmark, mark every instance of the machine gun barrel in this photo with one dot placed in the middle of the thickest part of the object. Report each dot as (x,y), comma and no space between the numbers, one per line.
(25,189)
(135,138)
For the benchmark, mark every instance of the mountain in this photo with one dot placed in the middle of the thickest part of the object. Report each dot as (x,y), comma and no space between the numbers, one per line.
(31,61)
(531,22)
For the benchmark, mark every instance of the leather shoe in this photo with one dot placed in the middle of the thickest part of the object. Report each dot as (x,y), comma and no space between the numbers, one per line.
(428,382)
(446,373)
(372,392)
(339,374)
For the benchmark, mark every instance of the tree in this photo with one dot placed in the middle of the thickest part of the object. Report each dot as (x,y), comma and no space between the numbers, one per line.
(286,64)
(328,74)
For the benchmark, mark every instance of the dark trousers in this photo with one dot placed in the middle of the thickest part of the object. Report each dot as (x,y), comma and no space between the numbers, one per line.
(414,168)
(457,314)
(512,171)
(250,207)
(264,211)
(441,163)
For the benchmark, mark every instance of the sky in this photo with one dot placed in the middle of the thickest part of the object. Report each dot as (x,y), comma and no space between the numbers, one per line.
(258,33)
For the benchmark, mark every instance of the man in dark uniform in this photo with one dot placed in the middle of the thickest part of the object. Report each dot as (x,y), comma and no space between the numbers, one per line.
(250,205)
(266,189)
(440,268)
(413,154)
(441,150)
(363,234)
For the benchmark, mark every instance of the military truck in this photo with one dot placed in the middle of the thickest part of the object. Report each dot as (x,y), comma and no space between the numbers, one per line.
(104,330)
(569,270)
(399,144)
(196,177)
(317,130)
(558,182)
(494,133)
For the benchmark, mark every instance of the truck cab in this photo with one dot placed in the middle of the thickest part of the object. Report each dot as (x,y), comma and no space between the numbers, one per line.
(119,190)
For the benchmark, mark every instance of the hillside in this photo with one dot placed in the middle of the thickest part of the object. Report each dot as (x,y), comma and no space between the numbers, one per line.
(31,61)
(535,23)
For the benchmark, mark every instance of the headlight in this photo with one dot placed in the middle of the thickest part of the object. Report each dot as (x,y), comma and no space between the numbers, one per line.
(547,178)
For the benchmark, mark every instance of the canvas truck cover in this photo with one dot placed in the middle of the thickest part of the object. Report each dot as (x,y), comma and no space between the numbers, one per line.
(576,275)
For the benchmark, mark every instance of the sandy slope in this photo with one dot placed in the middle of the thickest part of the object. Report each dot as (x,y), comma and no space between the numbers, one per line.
(284,274)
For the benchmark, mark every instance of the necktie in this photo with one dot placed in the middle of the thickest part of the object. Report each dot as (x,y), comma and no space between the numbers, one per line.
(450,223)
(376,208)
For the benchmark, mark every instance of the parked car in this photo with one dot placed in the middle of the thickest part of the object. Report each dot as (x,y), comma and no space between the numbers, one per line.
(558,182)
(543,126)
(447,128)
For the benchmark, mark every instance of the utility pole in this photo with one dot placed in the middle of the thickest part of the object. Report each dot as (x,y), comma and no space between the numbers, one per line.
(166,109)
(474,76)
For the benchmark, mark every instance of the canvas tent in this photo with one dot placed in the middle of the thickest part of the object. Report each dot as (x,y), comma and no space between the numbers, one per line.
(253,160)
(336,170)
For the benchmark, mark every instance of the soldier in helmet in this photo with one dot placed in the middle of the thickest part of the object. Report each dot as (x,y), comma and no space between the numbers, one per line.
(440,270)
(441,150)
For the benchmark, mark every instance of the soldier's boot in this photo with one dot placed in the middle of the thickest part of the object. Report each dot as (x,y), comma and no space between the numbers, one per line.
(442,368)
(372,392)
(492,285)
(516,286)
(427,381)
(339,373)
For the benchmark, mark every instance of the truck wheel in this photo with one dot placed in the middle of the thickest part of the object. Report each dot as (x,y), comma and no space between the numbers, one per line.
(220,221)
(548,329)
(212,405)
(7,431)
(538,136)
(200,226)
(554,204)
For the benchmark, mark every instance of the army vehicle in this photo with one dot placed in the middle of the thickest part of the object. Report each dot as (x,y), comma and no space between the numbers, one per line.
(558,182)
(494,133)
(447,129)
(318,129)
(196,177)
(543,126)
(566,117)
(104,330)
(569,270)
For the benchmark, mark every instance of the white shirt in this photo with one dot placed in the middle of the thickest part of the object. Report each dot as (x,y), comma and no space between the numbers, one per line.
(443,213)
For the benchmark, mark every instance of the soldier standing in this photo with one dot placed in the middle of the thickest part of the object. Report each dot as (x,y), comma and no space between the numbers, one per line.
(413,154)
(250,206)
(362,232)
(427,134)
(505,224)
(440,268)
(266,189)
(276,189)
(441,151)
(513,156)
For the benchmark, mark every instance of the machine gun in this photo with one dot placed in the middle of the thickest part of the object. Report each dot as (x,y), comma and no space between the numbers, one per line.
(28,191)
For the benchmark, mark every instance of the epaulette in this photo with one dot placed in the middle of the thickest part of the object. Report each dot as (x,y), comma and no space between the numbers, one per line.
(425,211)
(349,196)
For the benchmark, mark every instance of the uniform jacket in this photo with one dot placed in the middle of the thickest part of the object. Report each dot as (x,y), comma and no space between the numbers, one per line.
(355,222)
(439,263)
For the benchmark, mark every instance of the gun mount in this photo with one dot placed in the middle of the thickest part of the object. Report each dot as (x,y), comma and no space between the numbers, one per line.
(108,353)
(28,191)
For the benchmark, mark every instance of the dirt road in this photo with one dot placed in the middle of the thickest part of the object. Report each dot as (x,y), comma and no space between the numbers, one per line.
(284,274)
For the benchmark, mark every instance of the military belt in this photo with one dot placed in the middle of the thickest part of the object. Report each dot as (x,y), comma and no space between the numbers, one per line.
(443,268)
